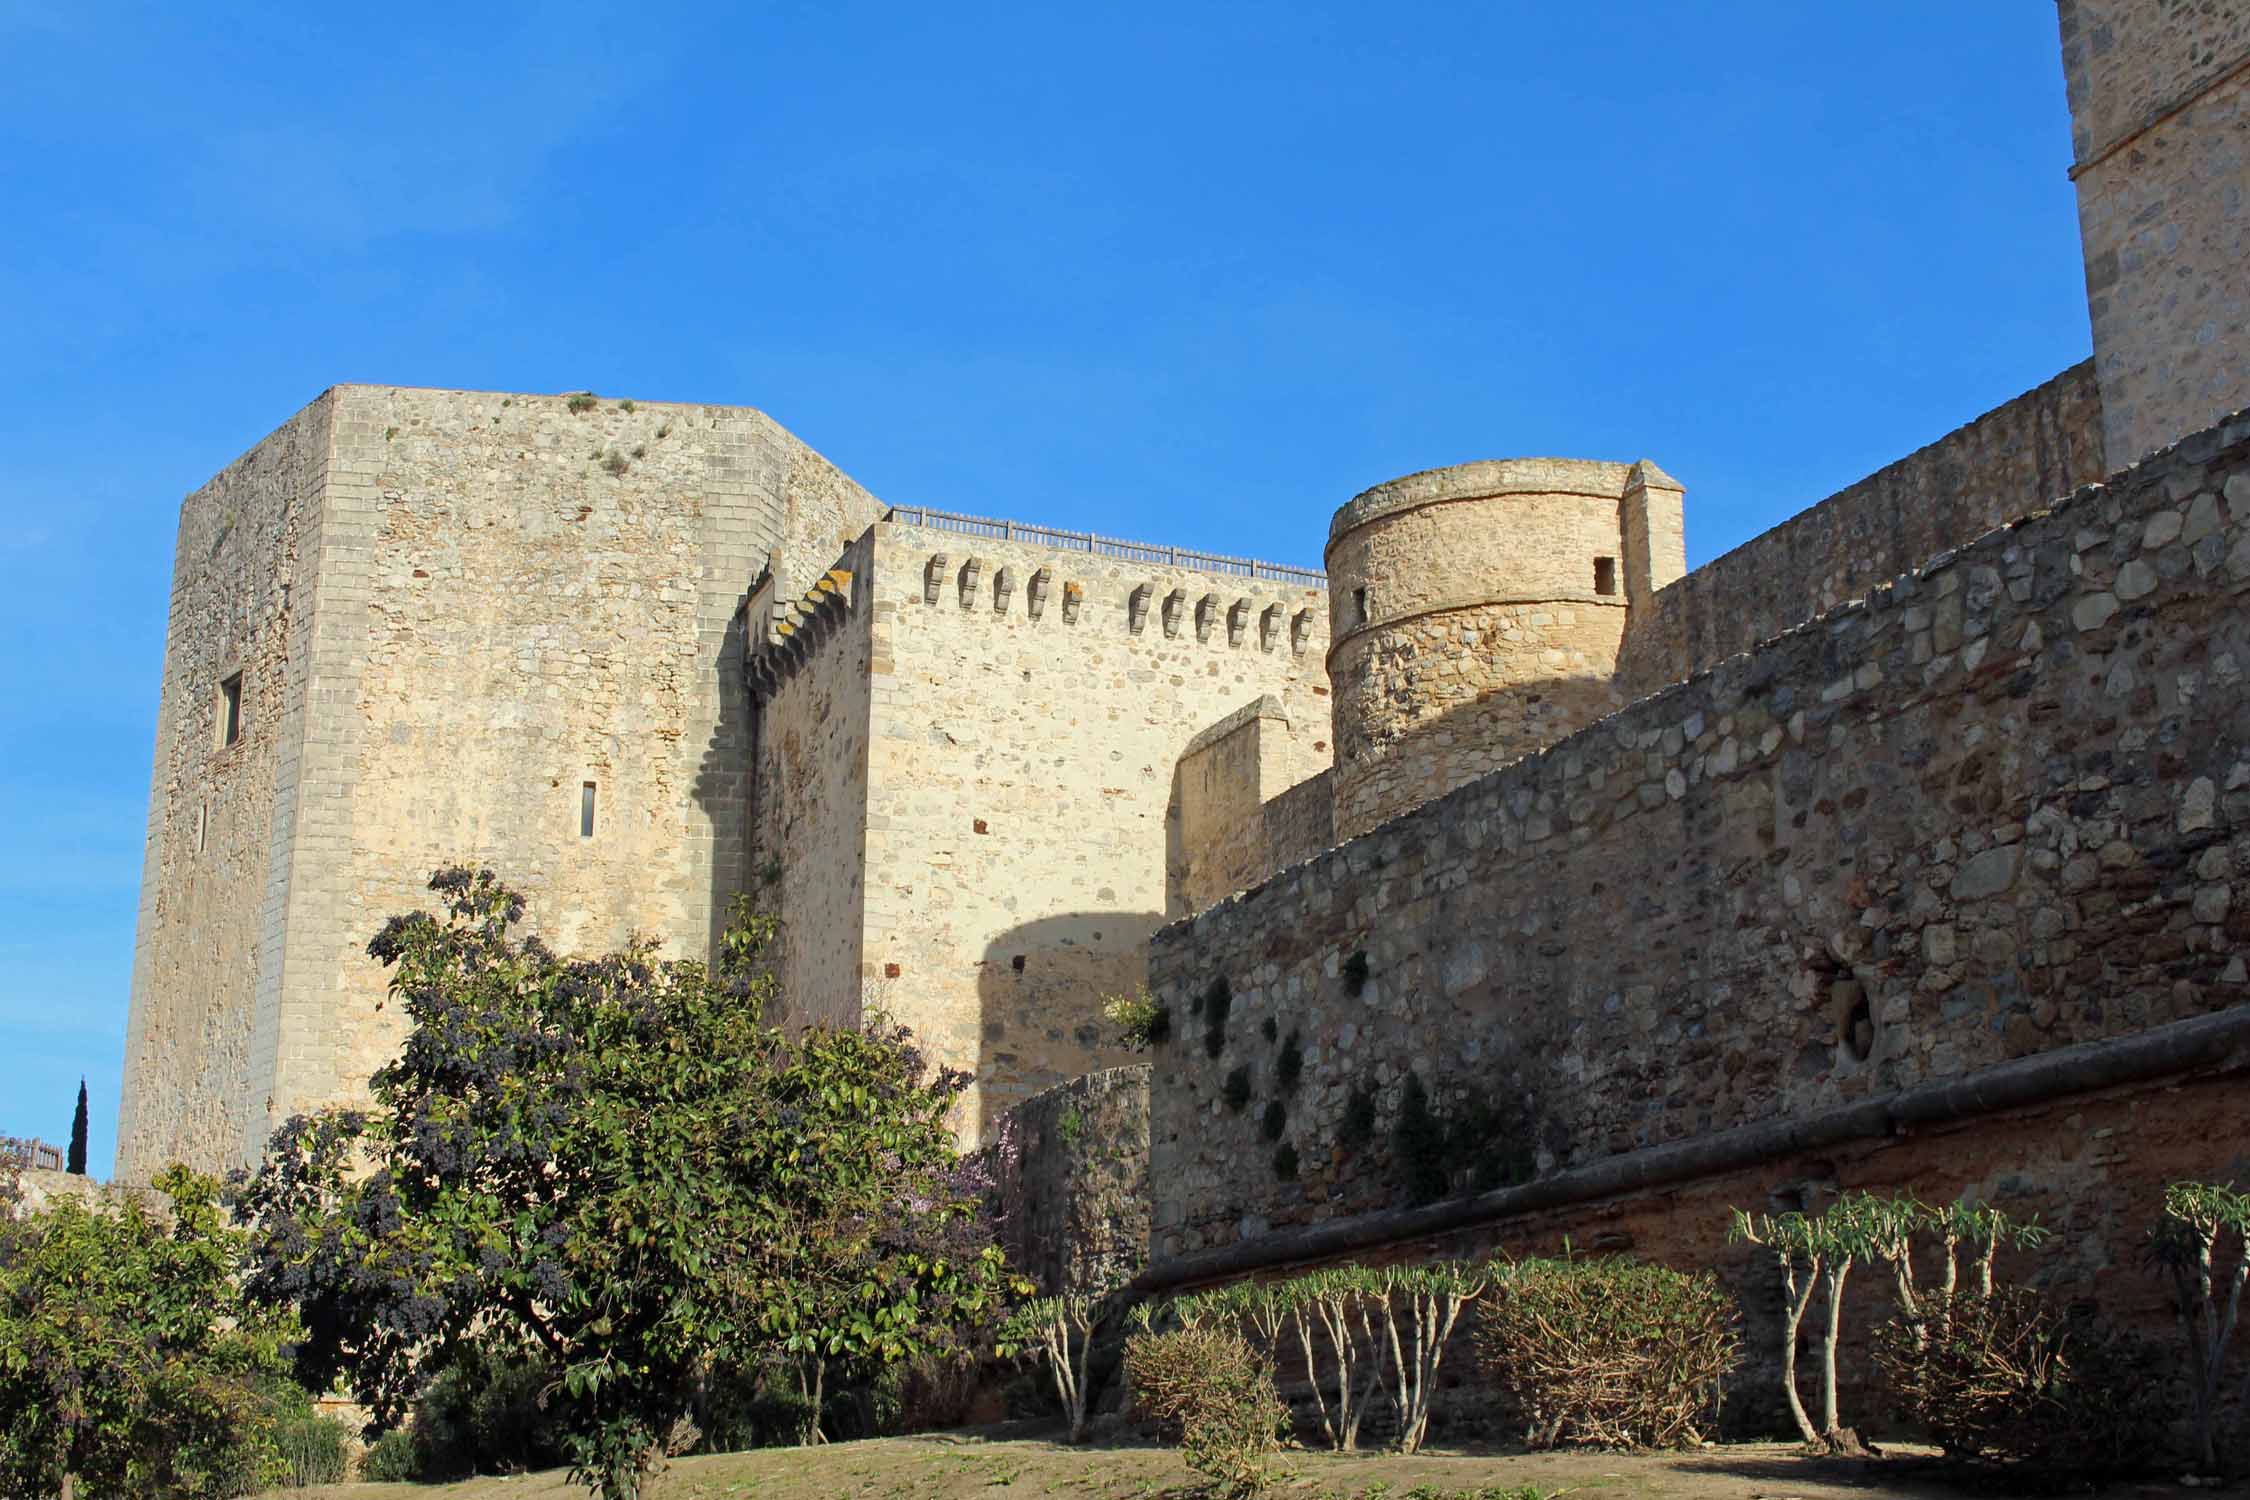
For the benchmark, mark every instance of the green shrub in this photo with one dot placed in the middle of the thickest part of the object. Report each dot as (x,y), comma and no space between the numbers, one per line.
(1608,1352)
(313,1449)
(1142,1021)
(2011,1379)
(389,1459)
(1216,1392)
(484,1414)
(584,401)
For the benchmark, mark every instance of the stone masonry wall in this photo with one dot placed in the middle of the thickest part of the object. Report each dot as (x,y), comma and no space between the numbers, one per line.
(1021,785)
(2011,460)
(1070,1167)
(2160,131)
(1230,833)
(507,598)
(222,819)
(2000,806)
(1476,613)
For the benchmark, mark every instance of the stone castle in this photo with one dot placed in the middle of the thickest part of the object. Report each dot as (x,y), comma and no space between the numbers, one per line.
(1902,843)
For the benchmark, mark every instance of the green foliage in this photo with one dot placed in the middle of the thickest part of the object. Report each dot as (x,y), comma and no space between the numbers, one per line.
(1285,1162)
(582,402)
(1289,1067)
(389,1459)
(1236,1089)
(2011,1379)
(1059,1331)
(1608,1352)
(615,463)
(1210,1387)
(615,1163)
(1354,970)
(75,1161)
(482,1414)
(312,1449)
(2201,1245)
(1276,1120)
(1218,1000)
(129,1361)
(1141,1020)
(1357,1128)
(625,406)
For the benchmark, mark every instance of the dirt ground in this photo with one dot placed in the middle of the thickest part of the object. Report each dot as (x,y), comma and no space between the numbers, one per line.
(1025,1459)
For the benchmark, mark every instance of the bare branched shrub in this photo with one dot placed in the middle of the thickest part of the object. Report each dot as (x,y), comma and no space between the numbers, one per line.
(1611,1353)
(2007,1377)
(1207,1384)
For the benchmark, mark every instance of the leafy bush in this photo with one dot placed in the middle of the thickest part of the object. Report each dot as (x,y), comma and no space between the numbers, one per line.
(312,1449)
(1141,1020)
(389,1459)
(484,1414)
(1608,1352)
(2009,1378)
(1216,1391)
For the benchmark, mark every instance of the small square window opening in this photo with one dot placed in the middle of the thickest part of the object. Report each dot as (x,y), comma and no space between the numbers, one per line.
(230,710)
(1605,575)
(586,810)
(1359,606)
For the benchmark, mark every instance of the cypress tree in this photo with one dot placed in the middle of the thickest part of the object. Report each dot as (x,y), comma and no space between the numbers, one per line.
(77,1164)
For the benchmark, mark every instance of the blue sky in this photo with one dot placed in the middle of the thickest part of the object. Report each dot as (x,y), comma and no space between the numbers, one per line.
(1187,272)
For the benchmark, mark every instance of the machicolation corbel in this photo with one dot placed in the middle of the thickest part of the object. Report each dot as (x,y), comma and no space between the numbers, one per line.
(1175,605)
(1035,594)
(1136,608)
(1238,621)
(933,578)
(1269,626)
(971,571)
(1206,610)
(1003,590)
(1074,595)
(1300,630)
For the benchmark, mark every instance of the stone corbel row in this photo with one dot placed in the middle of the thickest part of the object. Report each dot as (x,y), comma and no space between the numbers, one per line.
(799,627)
(968,581)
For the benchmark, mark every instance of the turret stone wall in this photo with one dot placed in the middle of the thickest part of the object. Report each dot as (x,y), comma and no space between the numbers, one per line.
(1476,613)
(2160,133)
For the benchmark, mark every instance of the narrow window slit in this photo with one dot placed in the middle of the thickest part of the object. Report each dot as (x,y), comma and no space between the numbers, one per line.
(586,810)
(1605,575)
(230,710)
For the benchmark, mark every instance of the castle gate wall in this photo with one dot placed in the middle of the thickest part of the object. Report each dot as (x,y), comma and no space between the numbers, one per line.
(2011,460)
(510,599)
(2160,133)
(1030,706)
(222,819)
(2000,807)
(1472,621)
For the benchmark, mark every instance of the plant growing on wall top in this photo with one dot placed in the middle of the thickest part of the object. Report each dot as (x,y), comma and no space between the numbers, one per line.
(1142,1021)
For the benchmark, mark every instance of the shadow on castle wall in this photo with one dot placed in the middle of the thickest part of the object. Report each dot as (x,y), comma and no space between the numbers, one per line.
(1039,1002)
(723,781)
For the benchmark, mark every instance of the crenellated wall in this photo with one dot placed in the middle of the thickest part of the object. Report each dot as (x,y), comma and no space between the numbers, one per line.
(1999,808)
(1028,708)
(2011,460)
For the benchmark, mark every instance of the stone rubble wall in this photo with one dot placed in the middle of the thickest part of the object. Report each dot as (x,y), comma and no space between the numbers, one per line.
(1070,1170)
(2011,460)
(1029,709)
(2000,806)
(2160,133)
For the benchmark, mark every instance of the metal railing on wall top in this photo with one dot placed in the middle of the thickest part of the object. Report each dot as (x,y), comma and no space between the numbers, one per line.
(1105,546)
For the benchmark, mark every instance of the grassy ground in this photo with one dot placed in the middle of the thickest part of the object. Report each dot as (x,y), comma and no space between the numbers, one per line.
(1024,1459)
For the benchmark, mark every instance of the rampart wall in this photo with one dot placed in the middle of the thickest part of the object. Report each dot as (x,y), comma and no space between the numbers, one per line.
(1070,1172)
(2011,460)
(1999,808)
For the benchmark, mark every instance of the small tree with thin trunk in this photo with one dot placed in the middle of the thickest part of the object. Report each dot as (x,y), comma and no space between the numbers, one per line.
(1799,1250)
(1059,1331)
(1420,1306)
(1339,1303)
(2207,1281)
